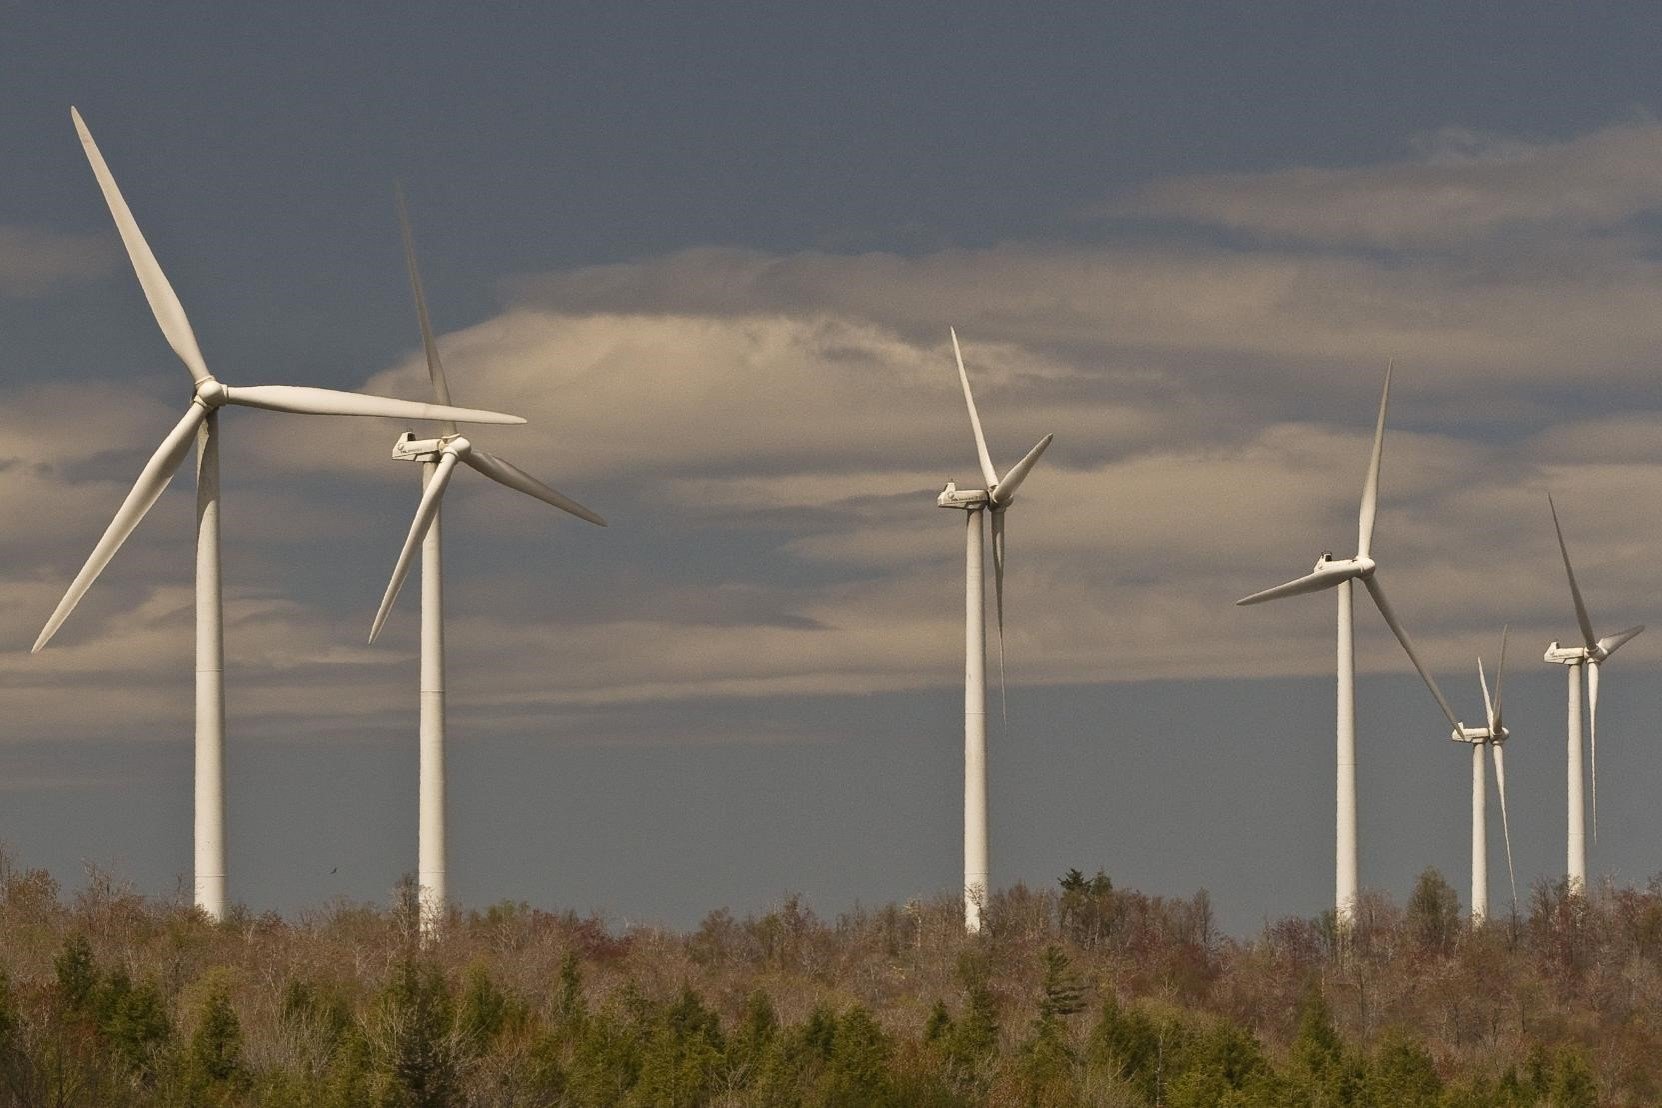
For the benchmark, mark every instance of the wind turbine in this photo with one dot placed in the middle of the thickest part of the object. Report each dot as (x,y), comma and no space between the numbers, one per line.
(1338,573)
(438,458)
(1494,737)
(200,424)
(996,499)
(1594,651)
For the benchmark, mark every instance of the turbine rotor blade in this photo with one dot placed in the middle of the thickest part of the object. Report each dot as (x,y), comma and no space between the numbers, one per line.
(1384,606)
(152,480)
(1310,582)
(1500,679)
(998,604)
(1611,643)
(1006,489)
(1587,637)
(302,400)
(1370,487)
(425,513)
(1496,749)
(505,473)
(1593,736)
(1488,704)
(987,470)
(164,302)
(435,368)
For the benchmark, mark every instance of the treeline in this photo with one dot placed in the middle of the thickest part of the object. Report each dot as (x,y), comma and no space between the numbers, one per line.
(1080,995)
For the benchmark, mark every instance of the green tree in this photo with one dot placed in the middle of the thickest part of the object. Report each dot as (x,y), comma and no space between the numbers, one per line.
(682,1054)
(215,1055)
(416,1053)
(77,973)
(857,1073)
(1403,1073)
(1433,911)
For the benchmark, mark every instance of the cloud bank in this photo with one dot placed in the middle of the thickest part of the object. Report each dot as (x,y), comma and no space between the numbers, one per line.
(768,432)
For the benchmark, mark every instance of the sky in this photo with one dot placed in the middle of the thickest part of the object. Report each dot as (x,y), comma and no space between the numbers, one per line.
(711,253)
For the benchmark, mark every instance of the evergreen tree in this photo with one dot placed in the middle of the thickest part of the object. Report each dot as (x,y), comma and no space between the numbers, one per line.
(215,1057)
(77,973)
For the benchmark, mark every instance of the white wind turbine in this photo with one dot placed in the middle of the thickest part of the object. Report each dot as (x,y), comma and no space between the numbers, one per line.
(1494,737)
(201,425)
(1333,572)
(995,498)
(438,458)
(1593,652)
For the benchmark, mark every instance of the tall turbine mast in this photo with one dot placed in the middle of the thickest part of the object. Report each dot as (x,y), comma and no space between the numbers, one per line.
(439,458)
(1592,653)
(995,499)
(200,424)
(1338,573)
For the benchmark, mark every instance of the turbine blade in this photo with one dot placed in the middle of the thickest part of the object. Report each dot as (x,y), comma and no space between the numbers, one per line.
(1593,736)
(505,473)
(164,302)
(1497,721)
(1384,606)
(425,513)
(998,604)
(302,400)
(1370,487)
(1006,489)
(152,479)
(1611,643)
(1505,825)
(1310,582)
(987,470)
(435,369)
(1488,705)
(1587,637)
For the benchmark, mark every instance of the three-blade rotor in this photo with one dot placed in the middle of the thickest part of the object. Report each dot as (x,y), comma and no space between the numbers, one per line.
(1330,572)
(452,448)
(209,393)
(1000,494)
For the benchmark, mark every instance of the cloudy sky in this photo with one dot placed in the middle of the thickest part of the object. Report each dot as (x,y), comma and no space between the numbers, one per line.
(711,253)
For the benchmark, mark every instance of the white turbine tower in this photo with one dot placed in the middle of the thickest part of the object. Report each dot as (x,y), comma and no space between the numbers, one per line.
(1333,572)
(995,498)
(1593,652)
(438,458)
(1494,737)
(200,424)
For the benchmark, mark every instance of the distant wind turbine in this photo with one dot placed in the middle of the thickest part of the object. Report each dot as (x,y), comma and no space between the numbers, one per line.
(1494,737)
(1593,651)
(438,458)
(201,425)
(1333,572)
(996,498)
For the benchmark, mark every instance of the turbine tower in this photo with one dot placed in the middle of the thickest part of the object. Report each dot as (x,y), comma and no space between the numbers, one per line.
(438,458)
(1338,573)
(200,424)
(995,499)
(1494,737)
(1593,652)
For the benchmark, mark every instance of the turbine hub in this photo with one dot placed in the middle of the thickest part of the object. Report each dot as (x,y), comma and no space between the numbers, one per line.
(212,394)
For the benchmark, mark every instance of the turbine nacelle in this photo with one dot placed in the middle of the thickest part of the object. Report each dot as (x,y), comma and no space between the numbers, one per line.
(1479,735)
(1361,566)
(1568,655)
(966,499)
(408,448)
